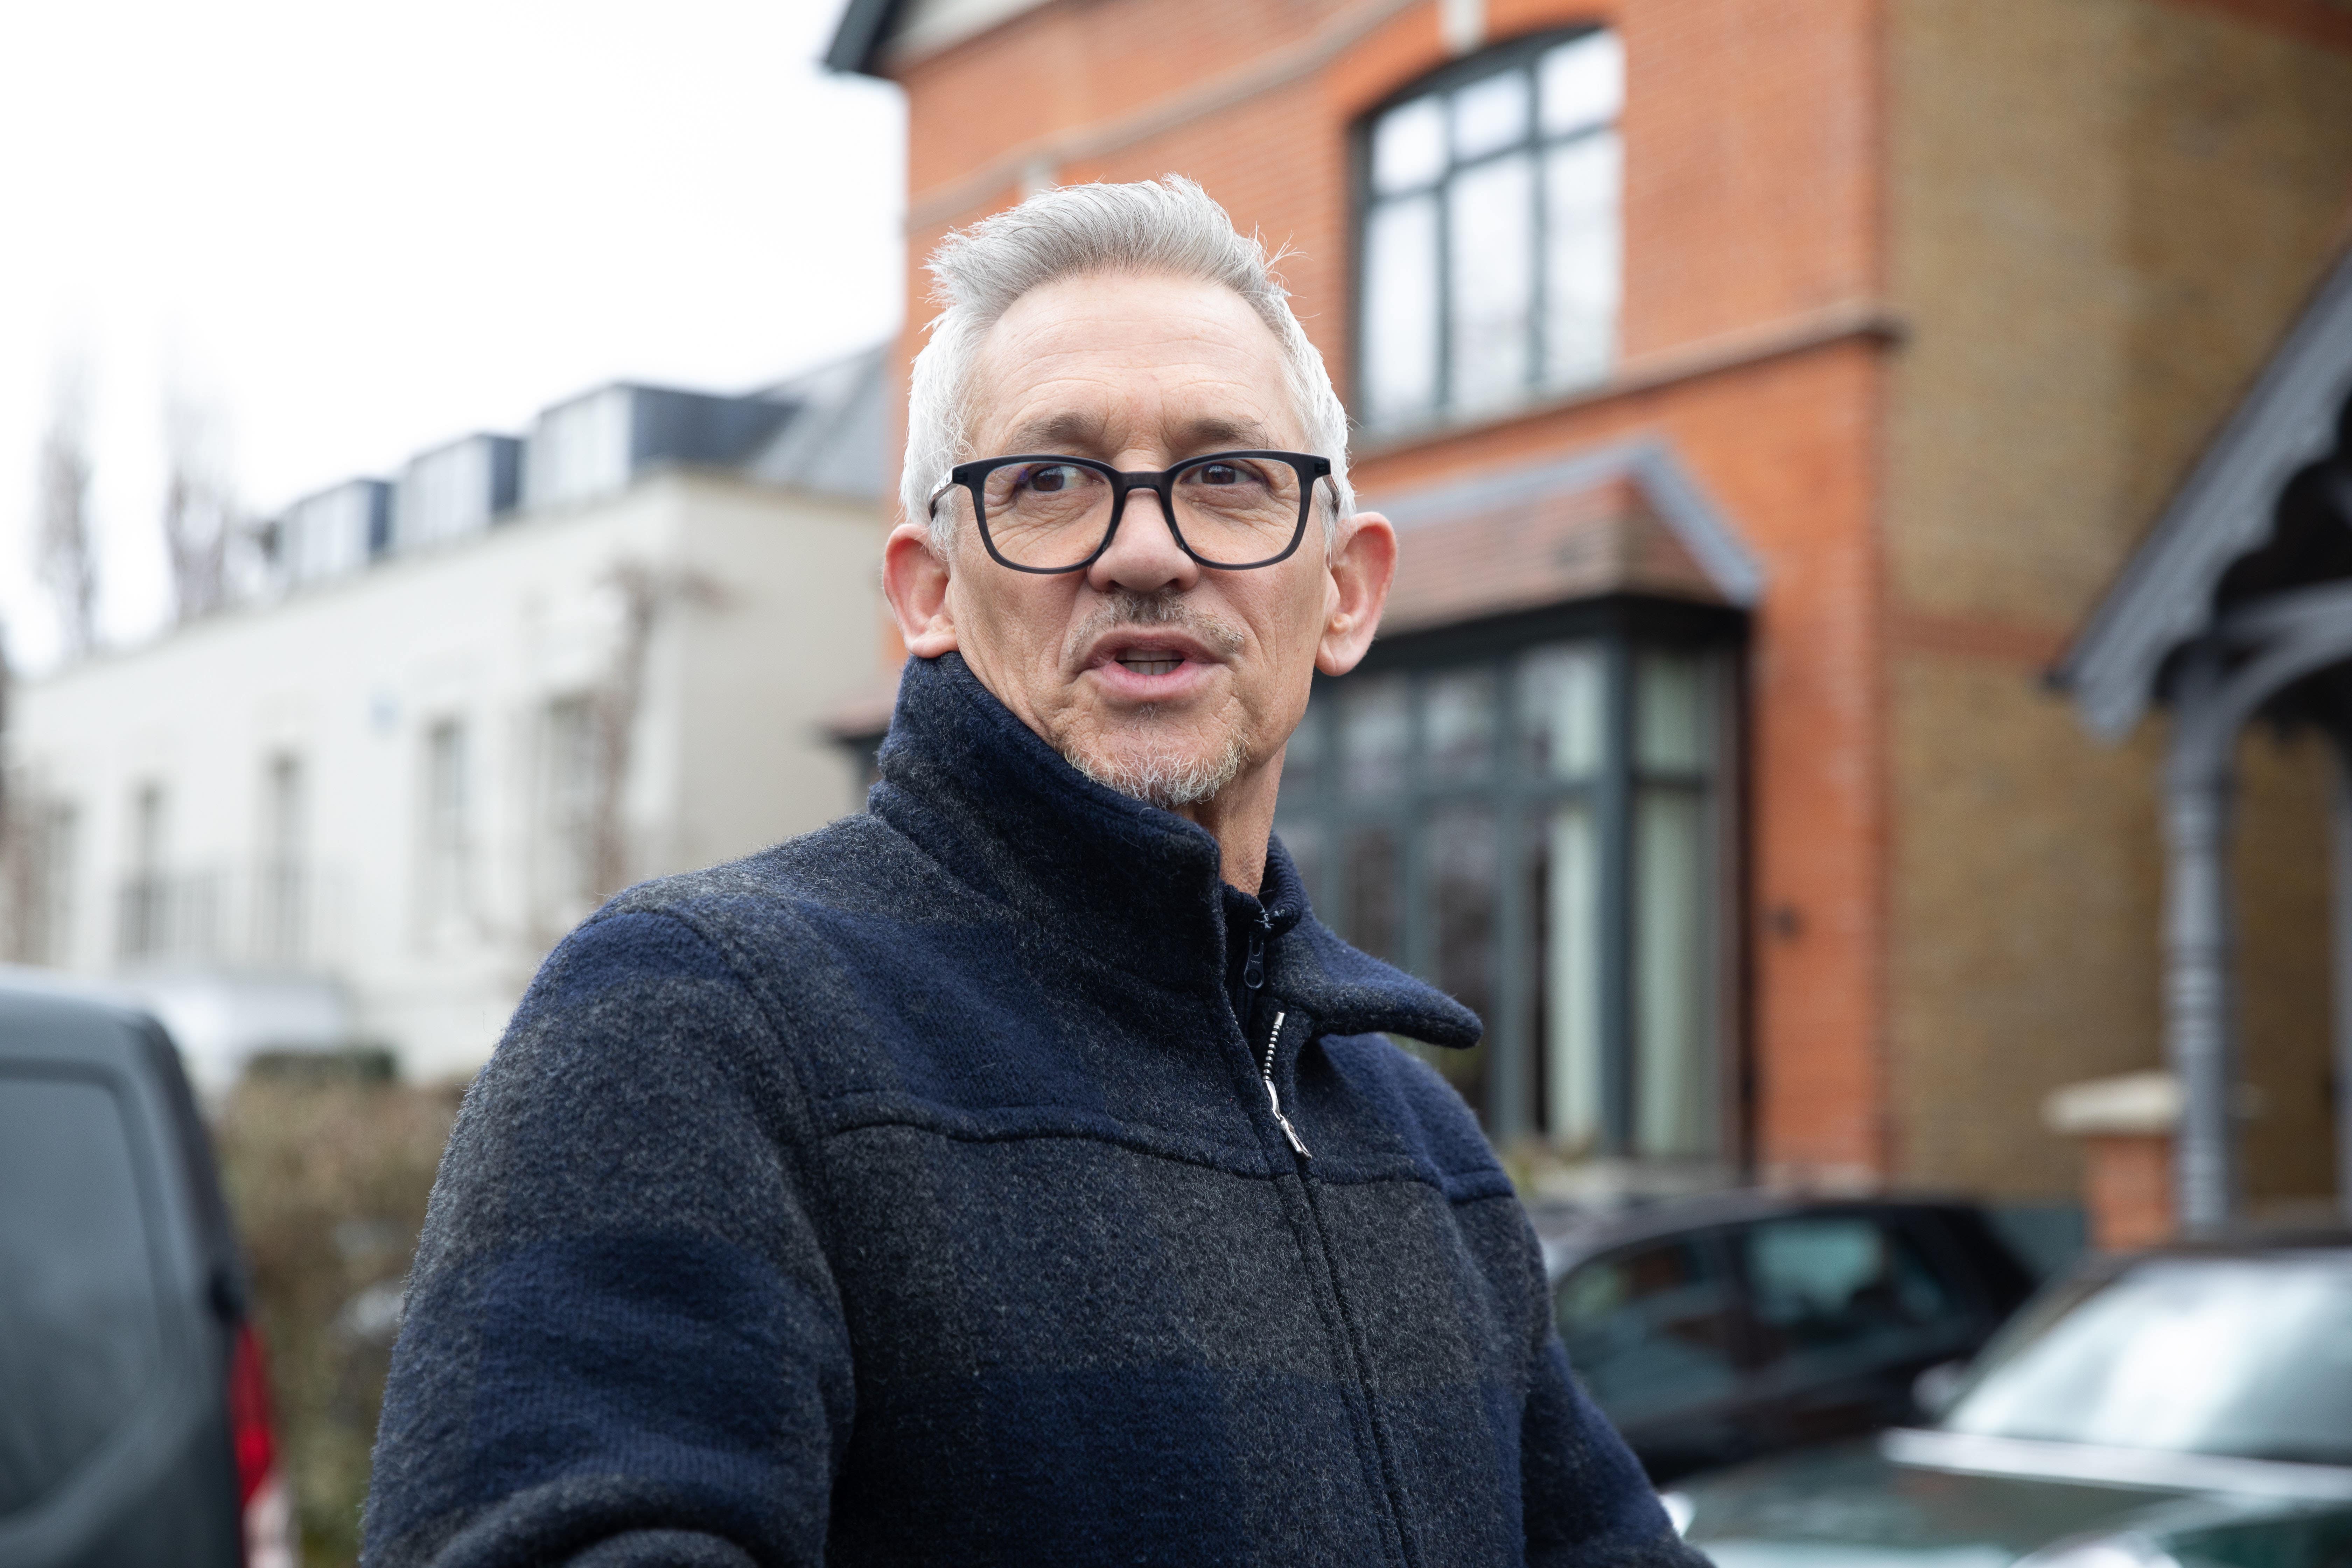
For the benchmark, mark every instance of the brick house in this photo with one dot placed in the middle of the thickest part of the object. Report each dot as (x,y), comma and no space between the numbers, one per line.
(1764,393)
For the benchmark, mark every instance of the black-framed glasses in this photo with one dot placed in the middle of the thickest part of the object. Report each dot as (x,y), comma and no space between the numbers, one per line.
(1232,511)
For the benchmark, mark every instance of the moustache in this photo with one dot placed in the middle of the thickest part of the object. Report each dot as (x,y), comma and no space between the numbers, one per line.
(1165,608)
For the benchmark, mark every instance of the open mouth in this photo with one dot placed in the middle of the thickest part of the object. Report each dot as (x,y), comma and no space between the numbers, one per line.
(1150,662)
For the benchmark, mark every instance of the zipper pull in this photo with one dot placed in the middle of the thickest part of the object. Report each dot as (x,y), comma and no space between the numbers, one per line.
(1253,964)
(1273,1095)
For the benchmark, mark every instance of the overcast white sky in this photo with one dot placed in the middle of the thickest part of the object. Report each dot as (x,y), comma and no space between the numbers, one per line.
(360,229)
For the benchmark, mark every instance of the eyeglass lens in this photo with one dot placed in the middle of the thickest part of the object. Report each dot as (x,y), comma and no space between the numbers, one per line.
(1230,511)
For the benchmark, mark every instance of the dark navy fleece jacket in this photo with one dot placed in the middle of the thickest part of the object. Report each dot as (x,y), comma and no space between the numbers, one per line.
(910,1194)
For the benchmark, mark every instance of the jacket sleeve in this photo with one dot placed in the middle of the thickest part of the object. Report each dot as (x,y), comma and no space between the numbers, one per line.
(621,1345)
(1587,1503)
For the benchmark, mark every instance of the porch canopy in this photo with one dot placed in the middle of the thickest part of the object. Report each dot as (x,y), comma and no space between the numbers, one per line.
(2238,604)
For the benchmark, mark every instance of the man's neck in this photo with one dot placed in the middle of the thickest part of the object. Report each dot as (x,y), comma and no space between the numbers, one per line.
(1240,816)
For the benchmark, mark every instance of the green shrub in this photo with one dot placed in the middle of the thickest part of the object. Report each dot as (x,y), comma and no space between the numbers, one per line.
(327,1172)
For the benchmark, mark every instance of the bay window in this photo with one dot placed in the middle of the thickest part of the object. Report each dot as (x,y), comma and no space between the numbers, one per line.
(1538,822)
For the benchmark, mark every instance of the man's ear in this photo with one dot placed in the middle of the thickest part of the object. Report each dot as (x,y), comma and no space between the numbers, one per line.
(915,581)
(1363,564)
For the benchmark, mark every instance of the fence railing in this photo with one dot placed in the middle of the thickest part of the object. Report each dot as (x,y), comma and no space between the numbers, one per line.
(281,917)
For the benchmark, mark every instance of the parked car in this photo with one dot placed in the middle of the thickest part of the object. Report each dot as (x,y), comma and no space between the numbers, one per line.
(2185,1408)
(134,1426)
(1713,1330)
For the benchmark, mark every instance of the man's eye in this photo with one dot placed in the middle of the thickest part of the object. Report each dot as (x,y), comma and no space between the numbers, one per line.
(1050,479)
(1223,474)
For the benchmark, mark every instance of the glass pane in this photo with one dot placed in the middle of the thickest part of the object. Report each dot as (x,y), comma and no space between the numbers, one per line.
(1673,718)
(1840,1293)
(1465,867)
(1304,839)
(1674,1061)
(1581,186)
(1302,759)
(1401,310)
(1375,912)
(1560,706)
(1583,83)
(2247,1356)
(1651,1331)
(1409,146)
(1567,898)
(1491,246)
(1459,711)
(1375,735)
(1490,115)
(80,1338)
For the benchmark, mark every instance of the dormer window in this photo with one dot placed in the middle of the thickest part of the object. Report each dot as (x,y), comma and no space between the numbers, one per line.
(1489,243)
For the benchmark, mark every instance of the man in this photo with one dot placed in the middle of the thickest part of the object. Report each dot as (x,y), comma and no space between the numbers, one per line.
(1018,1173)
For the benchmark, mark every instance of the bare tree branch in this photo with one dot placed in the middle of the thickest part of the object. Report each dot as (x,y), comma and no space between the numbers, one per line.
(68,561)
(645,594)
(198,515)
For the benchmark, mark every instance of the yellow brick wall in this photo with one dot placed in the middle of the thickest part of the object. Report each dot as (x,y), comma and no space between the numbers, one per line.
(2102,213)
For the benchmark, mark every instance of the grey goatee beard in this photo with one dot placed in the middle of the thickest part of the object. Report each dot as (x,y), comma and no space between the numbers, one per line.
(1160,775)
(1166,779)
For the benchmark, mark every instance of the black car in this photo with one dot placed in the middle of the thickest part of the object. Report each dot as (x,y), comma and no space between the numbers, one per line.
(1713,1330)
(134,1411)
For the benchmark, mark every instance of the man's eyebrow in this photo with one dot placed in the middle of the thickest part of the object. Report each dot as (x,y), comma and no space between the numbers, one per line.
(1215,432)
(1076,434)
(1085,435)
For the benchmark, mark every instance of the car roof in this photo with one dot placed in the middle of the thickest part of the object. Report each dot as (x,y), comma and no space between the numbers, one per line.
(2242,1243)
(1570,1234)
(19,981)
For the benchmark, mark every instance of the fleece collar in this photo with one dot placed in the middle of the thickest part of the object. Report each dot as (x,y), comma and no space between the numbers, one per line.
(1003,812)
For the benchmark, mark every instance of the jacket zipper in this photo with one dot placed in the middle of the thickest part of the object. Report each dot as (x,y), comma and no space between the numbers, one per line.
(1273,1095)
(1254,976)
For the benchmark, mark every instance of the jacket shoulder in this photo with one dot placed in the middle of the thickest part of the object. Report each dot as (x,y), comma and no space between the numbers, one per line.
(855,863)
(1420,1111)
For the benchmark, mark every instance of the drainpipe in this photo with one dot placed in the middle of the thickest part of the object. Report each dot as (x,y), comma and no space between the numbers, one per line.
(2198,1005)
(2339,894)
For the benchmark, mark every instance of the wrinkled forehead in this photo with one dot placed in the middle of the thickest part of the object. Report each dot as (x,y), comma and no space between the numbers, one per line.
(1112,363)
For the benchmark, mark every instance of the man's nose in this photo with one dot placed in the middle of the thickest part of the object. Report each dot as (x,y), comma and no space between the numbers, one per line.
(1144,556)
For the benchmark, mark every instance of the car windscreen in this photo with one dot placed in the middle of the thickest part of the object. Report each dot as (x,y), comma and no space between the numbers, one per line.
(81,1322)
(2246,1356)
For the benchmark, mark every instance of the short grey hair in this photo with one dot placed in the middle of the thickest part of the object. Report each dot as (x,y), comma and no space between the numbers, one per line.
(1169,225)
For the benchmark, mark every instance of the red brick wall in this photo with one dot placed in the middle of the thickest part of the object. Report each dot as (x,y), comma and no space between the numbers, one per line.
(1751,220)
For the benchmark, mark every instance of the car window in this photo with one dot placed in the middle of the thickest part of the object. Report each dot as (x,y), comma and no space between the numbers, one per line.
(80,1333)
(1651,1329)
(1830,1292)
(2244,1356)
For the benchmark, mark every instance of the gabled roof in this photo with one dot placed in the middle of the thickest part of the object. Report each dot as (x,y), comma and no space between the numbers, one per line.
(832,444)
(1624,519)
(2165,593)
(864,27)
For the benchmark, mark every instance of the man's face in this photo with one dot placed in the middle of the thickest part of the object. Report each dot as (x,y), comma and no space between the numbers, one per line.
(1149,671)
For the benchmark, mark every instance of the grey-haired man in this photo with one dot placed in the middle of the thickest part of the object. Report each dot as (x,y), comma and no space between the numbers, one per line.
(1018,1173)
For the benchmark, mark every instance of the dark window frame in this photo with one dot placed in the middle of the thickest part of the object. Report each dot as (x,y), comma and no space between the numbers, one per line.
(1516,54)
(1513,1089)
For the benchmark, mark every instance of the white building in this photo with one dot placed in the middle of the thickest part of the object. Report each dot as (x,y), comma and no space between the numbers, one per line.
(464,704)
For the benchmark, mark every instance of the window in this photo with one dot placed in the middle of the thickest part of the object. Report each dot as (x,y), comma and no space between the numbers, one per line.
(453,490)
(1652,1329)
(81,1306)
(143,924)
(1489,243)
(574,793)
(580,449)
(43,891)
(335,532)
(1839,1294)
(448,846)
(1538,830)
(280,896)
